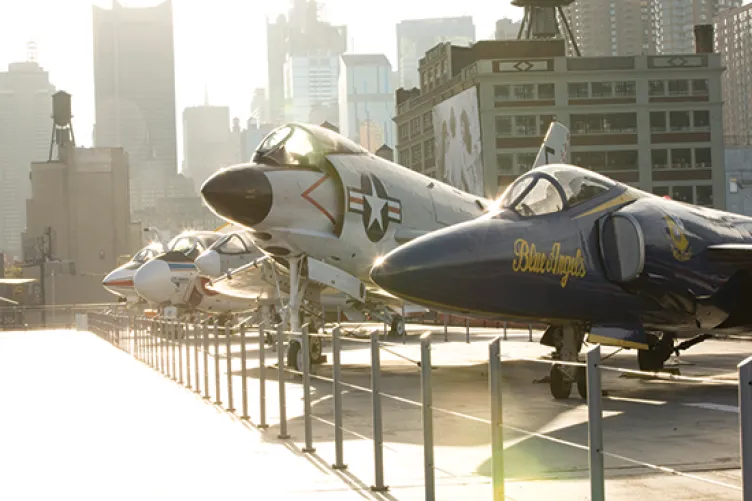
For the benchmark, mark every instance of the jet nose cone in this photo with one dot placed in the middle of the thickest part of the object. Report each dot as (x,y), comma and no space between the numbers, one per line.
(241,194)
(437,270)
(209,264)
(118,281)
(152,281)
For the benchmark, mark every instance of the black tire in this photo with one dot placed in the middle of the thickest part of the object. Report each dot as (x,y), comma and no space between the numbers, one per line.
(559,384)
(317,350)
(582,382)
(294,361)
(654,358)
(398,327)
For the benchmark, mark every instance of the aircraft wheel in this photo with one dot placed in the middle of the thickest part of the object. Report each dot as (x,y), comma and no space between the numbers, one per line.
(294,356)
(653,359)
(398,326)
(316,350)
(581,382)
(560,384)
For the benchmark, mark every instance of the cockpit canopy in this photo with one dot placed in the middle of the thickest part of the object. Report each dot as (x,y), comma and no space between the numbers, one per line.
(147,254)
(233,243)
(552,188)
(302,145)
(191,245)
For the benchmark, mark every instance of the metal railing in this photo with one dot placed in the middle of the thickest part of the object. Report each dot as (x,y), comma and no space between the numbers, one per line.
(190,354)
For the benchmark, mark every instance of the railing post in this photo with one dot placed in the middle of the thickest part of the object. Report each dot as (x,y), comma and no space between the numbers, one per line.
(530,332)
(446,328)
(197,335)
(426,390)
(228,344)
(163,346)
(217,385)
(378,438)
(467,330)
(595,424)
(186,338)
(173,348)
(243,374)
(745,425)
(206,329)
(505,330)
(179,341)
(307,420)
(262,373)
(281,375)
(337,391)
(497,421)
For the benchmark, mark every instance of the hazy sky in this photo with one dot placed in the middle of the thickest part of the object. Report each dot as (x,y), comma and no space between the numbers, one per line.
(220,44)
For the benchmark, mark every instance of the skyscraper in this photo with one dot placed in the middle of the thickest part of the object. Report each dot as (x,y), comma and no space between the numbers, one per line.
(366,100)
(733,31)
(629,27)
(416,36)
(207,142)
(25,133)
(303,65)
(134,84)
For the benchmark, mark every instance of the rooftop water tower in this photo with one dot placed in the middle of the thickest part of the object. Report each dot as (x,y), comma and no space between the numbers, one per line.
(545,19)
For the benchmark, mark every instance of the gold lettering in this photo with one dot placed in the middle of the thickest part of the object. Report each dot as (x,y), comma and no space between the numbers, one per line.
(529,260)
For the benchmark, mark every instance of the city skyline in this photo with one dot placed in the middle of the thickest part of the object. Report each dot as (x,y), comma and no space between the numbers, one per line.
(63,37)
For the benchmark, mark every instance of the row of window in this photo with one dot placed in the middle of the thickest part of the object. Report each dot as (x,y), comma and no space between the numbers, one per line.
(698,195)
(672,88)
(584,90)
(413,128)
(596,123)
(681,158)
(415,155)
(522,125)
(524,92)
(679,121)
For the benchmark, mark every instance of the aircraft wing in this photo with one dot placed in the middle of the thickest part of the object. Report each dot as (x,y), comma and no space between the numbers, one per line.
(246,282)
(16,281)
(737,255)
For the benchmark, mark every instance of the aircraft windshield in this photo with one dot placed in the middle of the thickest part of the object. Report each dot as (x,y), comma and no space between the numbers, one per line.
(296,145)
(144,255)
(540,192)
(231,244)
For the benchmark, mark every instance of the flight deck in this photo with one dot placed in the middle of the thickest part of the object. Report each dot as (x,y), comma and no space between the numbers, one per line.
(82,418)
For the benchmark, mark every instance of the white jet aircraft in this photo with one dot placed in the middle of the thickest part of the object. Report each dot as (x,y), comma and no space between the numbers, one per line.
(120,280)
(327,209)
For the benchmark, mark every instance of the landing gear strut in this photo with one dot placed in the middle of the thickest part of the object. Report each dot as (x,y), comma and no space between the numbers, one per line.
(654,358)
(568,341)
(397,328)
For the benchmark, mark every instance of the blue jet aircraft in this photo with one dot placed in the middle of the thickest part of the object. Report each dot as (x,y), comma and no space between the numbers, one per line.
(587,256)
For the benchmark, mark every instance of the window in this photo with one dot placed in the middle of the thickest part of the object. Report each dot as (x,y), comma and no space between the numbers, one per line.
(415,155)
(526,125)
(602,89)
(523,92)
(682,194)
(608,122)
(703,159)
(427,120)
(700,87)
(415,126)
(502,92)
(593,160)
(657,88)
(679,121)
(657,121)
(625,89)
(232,245)
(621,160)
(546,91)
(659,159)
(404,157)
(428,149)
(704,195)
(678,87)
(525,161)
(545,122)
(578,89)
(681,158)
(404,131)
(503,126)
(661,191)
(701,120)
(505,163)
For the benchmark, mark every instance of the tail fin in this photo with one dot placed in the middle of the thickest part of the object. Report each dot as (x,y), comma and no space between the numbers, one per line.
(555,146)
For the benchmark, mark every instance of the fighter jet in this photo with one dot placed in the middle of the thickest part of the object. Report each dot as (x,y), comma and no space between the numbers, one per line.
(325,209)
(587,256)
(120,280)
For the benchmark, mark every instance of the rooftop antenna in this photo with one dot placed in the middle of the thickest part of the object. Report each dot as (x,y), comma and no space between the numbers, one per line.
(31,51)
(540,21)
